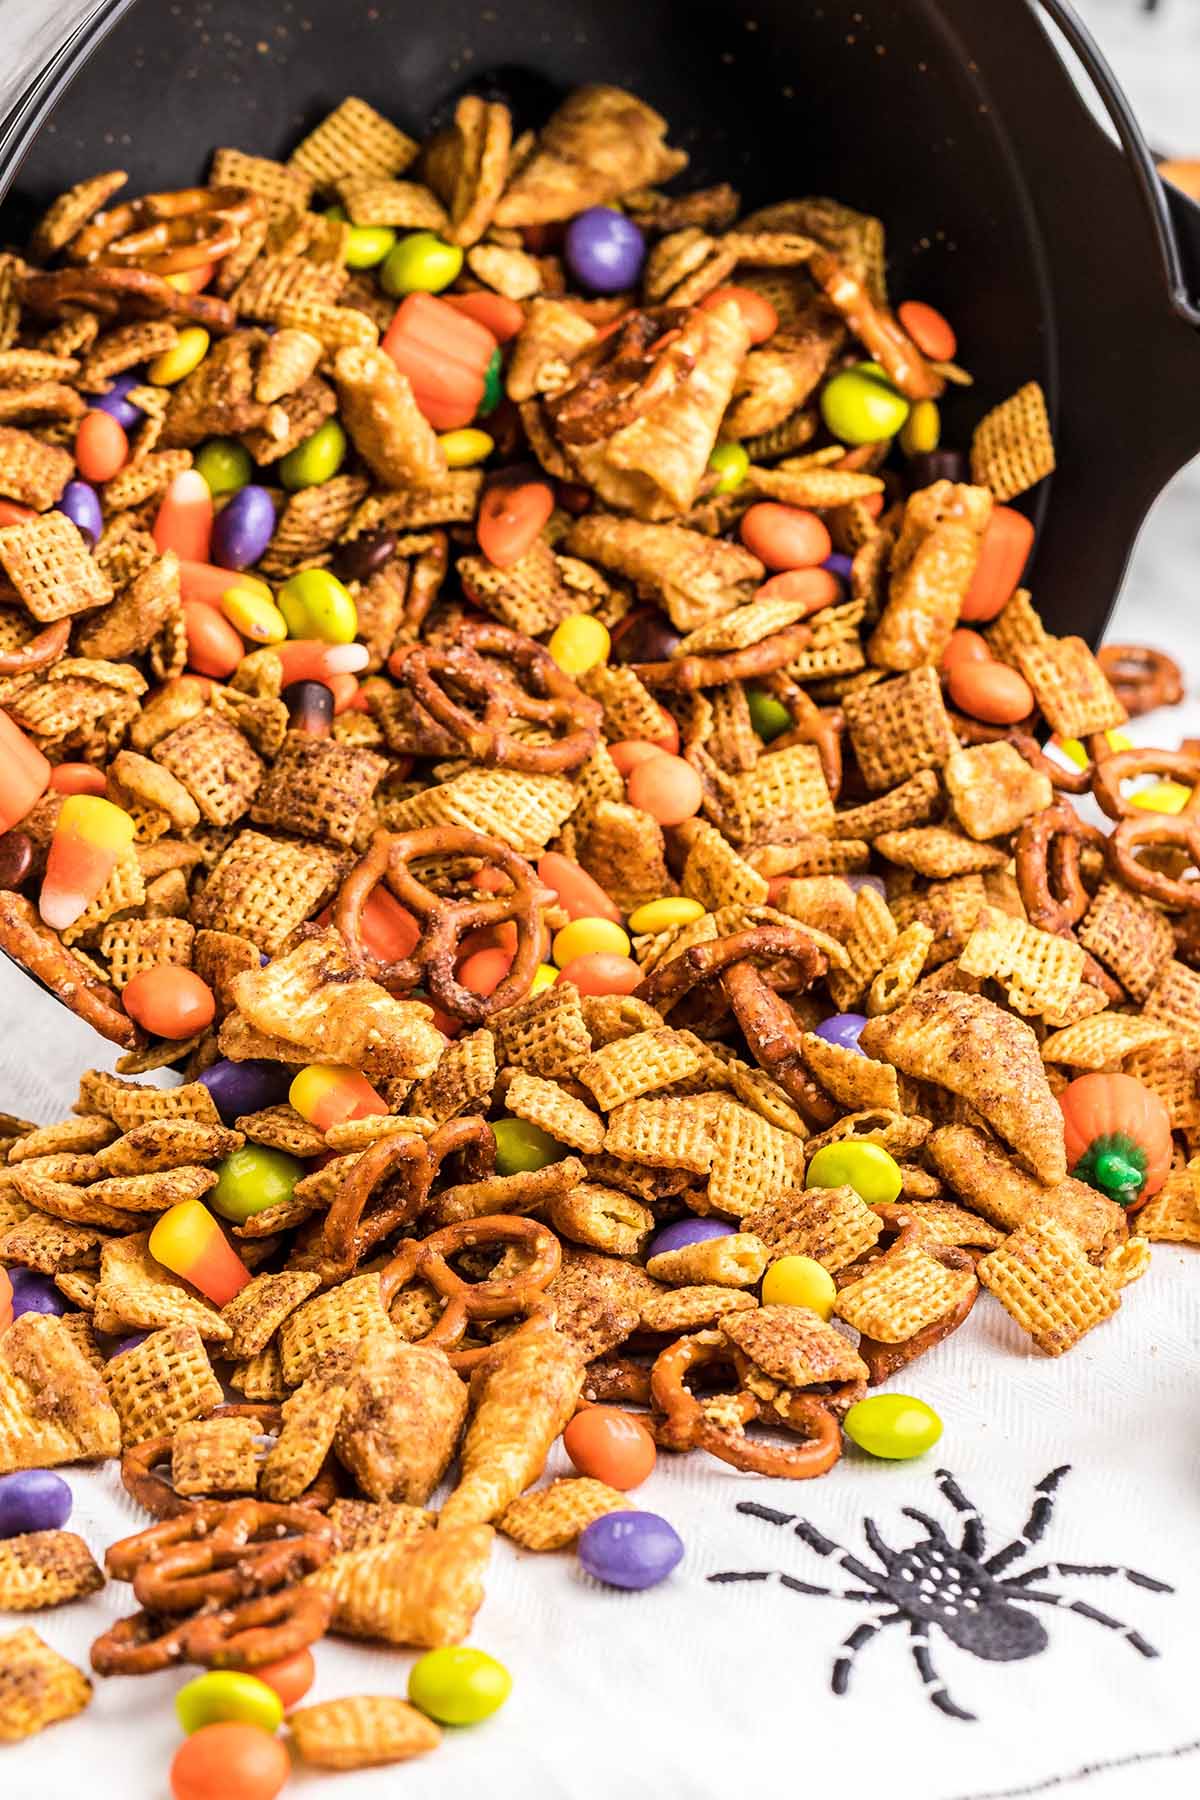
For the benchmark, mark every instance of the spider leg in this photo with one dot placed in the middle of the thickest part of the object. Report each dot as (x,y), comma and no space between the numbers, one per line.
(934,1686)
(816,1540)
(1035,1525)
(755,1511)
(791,1582)
(1065,1568)
(883,1551)
(931,1525)
(1133,1638)
(974,1535)
(857,1640)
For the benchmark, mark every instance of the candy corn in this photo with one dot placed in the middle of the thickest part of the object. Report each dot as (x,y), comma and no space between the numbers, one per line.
(188,1241)
(310,659)
(88,840)
(326,1095)
(184,519)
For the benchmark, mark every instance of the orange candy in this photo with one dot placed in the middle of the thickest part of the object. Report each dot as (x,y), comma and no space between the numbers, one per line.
(666,787)
(632,751)
(388,929)
(101,447)
(785,537)
(576,892)
(964,646)
(184,519)
(815,587)
(213,646)
(291,1678)
(603,972)
(444,353)
(24,773)
(503,318)
(610,1447)
(190,281)
(230,1761)
(169,1001)
(13,514)
(78,778)
(511,514)
(1003,552)
(484,970)
(929,330)
(762,321)
(990,691)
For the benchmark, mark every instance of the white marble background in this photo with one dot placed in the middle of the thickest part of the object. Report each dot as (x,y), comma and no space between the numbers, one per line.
(696,1691)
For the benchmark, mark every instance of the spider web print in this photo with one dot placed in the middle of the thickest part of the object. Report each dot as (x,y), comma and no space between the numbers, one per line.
(980,1601)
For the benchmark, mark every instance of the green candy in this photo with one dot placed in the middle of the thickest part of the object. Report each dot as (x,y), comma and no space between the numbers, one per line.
(491,386)
(522,1147)
(458,1686)
(768,716)
(367,244)
(225,465)
(316,605)
(251,1180)
(315,460)
(860,406)
(729,460)
(867,1168)
(226,1694)
(420,263)
(894,1426)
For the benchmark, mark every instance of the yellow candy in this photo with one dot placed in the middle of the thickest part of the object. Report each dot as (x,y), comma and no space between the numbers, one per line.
(1162,797)
(189,349)
(661,915)
(543,977)
(1076,753)
(579,643)
(922,429)
(255,615)
(589,937)
(800,1281)
(464,448)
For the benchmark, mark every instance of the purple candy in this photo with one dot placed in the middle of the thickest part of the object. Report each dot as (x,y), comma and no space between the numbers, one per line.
(81,503)
(839,565)
(243,529)
(688,1231)
(34,1293)
(128,1343)
(604,250)
(630,1549)
(114,401)
(858,882)
(842,1029)
(246,1087)
(33,1500)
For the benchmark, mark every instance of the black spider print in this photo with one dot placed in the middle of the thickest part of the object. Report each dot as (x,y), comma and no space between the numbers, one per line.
(971,1598)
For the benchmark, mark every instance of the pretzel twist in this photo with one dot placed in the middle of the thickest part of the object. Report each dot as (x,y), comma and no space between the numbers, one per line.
(167,233)
(685,674)
(250,1635)
(426,1259)
(1141,678)
(41,952)
(45,648)
(622,374)
(411,1165)
(1048,849)
(687,1425)
(1137,830)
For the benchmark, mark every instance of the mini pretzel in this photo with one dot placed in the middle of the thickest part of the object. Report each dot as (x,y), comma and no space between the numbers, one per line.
(1125,765)
(538,691)
(622,374)
(169,232)
(1136,829)
(445,922)
(685,674)
(689,1426)
(39,951)
(155,1493)
(1141,678)
(426,1260)
(348,1235)
(1048,874)
(45,648)
(884,1360)
(212,1554)
(811,724)
(138,293)
(249,1636)
(875,327)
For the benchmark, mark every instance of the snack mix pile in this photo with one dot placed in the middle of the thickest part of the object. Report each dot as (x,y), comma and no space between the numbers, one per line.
(503,692)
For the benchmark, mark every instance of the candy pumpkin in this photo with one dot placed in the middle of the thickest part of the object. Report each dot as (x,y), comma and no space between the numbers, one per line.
(1118,1137)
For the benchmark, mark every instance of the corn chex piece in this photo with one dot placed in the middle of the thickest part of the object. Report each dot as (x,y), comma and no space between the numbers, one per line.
(667,1134)
(1075,695)
(791,1348)
(162,1383)
(1042,972)
(1043,1279)
(898,728)
(281,187)
(1172,1216)
(262,888)
(552,1517)
(283,1128)
(136,1291)
(902,970)
(623,849)
(1175,998)
(361,1524)
(1132,939)
(352,140)
(463,1080)
(130,946)
(215,1456)
(38,1687)
(1105,1038)
(80,1135)
(854,1081)
(736,1261)
(691,1308)
(32,473)
(867,948)
(902,1292)
(753,1162)
(167,1143)
(260,1377)
(834,1226)
(53,1404)
(1012,449)
(310,1421)
(523,811)
(348,1314)
(783,789)
(361,1732)
(47,1244)
(934,851)
(638,1065)
(630,709)
(49,564)
(423,1593)
(544,1103)
(716,875)
(947,1223)
(317,788)
(254,1315)
(1171,1070)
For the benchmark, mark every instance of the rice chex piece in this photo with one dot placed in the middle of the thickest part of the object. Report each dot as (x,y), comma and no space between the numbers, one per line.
(1175,998)
(38,1687)
(310,1420)
(1103,1039)
(40,1569)
(546,1033)
(791,1348)
(867,948)
(1075,695)
(215,764)
(361,1524)
(1042,972)
(692,1308)
(1132,939)
(136,1291)
(668,1134)
(130,1103)
(162,1383)
(715,874)
(318,788)
(361,1732)
(424,1593)
(545,1104)
(898,728)
(552,1517)
(1043,1279)
(214,1456)
(461,1083)
(53,1404)
(902,1292)
(1011,448)
(523,810)
(49,564)
(31,472)
(1172,1216)
(282,187)
(834,1226)
(352,140)
(254,1315)
(632,1066)
(263,887)
(347,1315)
(753,1162)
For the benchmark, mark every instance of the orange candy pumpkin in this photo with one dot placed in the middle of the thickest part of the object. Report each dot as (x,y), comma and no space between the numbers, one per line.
(1118,1137)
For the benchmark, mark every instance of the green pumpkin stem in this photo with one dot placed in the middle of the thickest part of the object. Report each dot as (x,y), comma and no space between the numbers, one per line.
(1115,1165)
